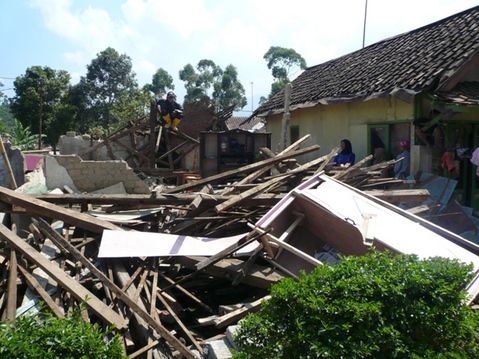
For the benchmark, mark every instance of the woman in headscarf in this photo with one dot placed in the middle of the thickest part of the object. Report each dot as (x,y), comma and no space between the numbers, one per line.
(401,168)
(346,155)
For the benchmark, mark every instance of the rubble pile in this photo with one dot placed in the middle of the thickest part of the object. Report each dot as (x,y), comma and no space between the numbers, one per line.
(170,305)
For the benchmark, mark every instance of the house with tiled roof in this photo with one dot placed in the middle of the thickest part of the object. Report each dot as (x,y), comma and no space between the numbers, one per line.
(256,124)
(373,95)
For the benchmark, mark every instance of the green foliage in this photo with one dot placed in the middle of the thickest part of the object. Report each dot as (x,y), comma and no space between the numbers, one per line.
(6,116)
(44,336)
(38,94)
(373,306)
(108,81)
(161,82)
(227,90)
(22,137)
(131,107)
(282,62)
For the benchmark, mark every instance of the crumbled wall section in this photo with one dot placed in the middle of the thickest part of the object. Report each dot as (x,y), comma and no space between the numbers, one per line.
(17,164)
(90,176)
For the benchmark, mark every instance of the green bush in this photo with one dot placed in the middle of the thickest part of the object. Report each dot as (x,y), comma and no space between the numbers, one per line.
(45,336)
(373,306)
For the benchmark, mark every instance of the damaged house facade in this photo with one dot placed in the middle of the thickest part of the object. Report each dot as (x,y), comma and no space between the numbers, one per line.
(379,91)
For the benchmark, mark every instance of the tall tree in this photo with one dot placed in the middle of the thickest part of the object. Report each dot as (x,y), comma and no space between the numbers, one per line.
(109,80)
(133,106)
(228,91)
(194,93)
(38,95)
(161,82)
(224,86)
(282,62)
(6,116)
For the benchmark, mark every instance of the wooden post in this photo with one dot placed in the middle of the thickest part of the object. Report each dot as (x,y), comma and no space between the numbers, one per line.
(13,183)
(286,116)
(153,115)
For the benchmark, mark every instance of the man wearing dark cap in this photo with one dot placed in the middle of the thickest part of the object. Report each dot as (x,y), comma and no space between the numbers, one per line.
(170,110)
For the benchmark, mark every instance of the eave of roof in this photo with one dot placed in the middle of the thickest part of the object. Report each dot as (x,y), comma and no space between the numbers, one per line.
(401,66)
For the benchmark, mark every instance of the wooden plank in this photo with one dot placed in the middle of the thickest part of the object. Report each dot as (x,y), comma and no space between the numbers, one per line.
(120,294)
(152,122)
(180,323)
(72,286)
(108,147)
(154,286)
(258,277)
(243,242)
(251,177)
(144,349)
(327,159)
(46,209)
(151,200)
(236,315)
(35,286)
(186,292)
(290,248)
(8,166)
(12,287)
(138,126)
(132,150)
(248,168)
(139,325)
(235,200)
(403,195)
(247,266)
(353,167)
(266,185)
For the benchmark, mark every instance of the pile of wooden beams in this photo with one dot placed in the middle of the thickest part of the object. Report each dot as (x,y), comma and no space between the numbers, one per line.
(164,307)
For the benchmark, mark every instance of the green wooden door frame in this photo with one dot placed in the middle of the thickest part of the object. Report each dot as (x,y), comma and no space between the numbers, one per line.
(384,134)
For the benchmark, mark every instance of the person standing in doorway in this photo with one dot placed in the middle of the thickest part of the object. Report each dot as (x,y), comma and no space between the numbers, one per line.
(401,168)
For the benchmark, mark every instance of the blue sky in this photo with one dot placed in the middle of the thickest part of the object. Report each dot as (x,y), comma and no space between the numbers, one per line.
(68,34)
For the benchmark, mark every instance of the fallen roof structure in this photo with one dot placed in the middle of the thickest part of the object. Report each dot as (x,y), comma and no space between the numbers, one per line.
(168,298)
(323,217)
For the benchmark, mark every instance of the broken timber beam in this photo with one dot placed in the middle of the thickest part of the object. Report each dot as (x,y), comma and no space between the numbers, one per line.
(264,186)
(147,200)
(67,282)
(403,195)
(248,168)
(133,305)
(45,209)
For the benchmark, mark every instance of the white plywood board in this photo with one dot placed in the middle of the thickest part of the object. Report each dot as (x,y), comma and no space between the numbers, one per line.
(121,244)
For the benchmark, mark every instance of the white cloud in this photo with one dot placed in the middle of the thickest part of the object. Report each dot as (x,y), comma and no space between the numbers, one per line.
(160,33)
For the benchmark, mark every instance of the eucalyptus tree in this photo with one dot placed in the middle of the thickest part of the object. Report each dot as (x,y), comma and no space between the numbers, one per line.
(228,90)
(283,63)
(209,81)
(109,80)
(161,82)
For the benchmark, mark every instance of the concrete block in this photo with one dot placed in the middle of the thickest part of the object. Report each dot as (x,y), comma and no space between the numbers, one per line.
(230,332)
(219,349)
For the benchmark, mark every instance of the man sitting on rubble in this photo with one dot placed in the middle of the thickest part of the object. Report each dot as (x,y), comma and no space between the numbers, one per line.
(170,110)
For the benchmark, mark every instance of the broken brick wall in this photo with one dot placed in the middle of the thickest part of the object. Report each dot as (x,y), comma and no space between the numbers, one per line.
(89,176)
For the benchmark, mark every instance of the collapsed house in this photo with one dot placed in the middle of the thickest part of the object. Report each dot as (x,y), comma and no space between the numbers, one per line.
(174,267)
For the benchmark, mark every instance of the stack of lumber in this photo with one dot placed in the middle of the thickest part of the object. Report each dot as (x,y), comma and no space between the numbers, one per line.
(163,307)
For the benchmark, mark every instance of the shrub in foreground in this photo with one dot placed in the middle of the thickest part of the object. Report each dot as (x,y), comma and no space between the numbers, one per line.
(373,306)
(45,336)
